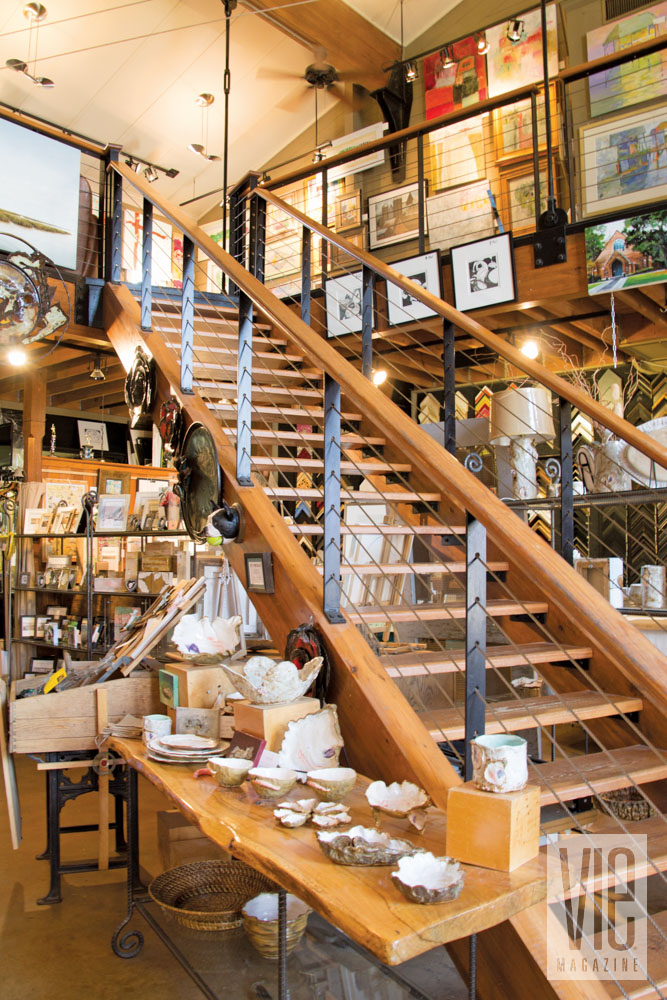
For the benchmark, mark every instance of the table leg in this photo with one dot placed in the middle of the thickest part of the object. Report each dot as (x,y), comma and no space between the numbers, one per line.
(130,943)
(283,992)
(46,854)
(54,894)
(472,968)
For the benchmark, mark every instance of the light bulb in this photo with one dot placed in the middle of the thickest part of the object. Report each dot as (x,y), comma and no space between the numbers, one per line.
(17,357)
(379,376)
(530,349)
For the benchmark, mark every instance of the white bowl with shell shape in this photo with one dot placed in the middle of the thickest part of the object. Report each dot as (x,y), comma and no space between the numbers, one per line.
(272,782)
(363,845)
(403,800)
(332,783)
(229,771)
(267,682)
(424,878)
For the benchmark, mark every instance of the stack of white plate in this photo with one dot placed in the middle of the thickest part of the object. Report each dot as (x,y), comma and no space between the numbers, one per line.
(182,748)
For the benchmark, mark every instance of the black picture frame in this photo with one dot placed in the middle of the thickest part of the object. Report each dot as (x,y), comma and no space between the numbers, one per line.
(475,284)
(259,572)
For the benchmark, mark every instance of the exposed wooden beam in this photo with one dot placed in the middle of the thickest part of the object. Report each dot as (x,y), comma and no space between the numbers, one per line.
(98,391)
(81,380)
(643,305)
(34,424)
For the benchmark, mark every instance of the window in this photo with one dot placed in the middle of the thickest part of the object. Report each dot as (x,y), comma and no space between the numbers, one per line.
(619,245)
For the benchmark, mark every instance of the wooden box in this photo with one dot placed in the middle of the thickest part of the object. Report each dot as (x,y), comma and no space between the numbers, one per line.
(180,843)
(197,686)
(67,720)
(493,830)
(269,722)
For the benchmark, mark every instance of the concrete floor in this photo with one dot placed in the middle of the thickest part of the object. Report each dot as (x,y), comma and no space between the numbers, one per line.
(62,952)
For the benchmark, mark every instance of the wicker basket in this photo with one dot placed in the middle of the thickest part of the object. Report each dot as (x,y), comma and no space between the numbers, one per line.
(627,804)
(208,895)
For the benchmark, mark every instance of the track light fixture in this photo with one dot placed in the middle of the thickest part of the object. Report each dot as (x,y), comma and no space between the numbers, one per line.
(411,72)
(482,43)
(446,57)
(515,30)
(34,13)
(97,370)
(151,174)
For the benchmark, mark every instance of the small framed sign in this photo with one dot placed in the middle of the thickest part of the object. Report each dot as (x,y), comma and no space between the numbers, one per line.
(259,572)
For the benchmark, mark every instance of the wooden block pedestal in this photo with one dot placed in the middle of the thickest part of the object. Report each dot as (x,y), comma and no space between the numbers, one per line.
(493,830)
(269,722)
(192,685)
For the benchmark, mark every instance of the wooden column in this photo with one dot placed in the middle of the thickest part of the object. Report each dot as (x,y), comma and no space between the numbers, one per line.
(34,423)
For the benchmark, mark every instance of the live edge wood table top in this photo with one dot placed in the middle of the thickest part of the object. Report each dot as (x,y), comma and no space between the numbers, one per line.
(362,902)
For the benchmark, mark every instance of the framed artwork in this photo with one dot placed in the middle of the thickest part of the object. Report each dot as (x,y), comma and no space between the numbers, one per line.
(626,253)
(69,493)
(259,572)
(278,223)
(112,512)
(45,522)
(518,197)
(348,211)
(459,85)
(457,153)
(339,259)
(32,519)
(458,215)
(393,217)
(132,246)
(94,434)
(40,622)
(624,161)
(513,127)
(112,482)
(42,666)
(483,273)
(640,80)
(345,143)
(427,272)
(343,304)
(27,626)
(510,65)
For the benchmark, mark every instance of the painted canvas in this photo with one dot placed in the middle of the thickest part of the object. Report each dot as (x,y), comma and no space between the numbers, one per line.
(510,65)
(624,161)
(457,153)
(460,85)
(520,199)
(36,168)
(459,215)
(133,231)
(636,81)
(627,253)
(513,126)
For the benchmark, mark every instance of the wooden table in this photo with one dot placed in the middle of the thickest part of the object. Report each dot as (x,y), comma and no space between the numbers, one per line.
(361,902)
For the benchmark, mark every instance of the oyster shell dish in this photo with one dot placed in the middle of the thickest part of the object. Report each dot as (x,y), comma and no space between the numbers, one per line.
(403,800)
(202,641)
(264,681)
(424,878)
(313,742)
(323,814)
(363,845)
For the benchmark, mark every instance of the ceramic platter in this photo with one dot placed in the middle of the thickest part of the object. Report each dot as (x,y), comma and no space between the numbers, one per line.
(166,755)
(187,741)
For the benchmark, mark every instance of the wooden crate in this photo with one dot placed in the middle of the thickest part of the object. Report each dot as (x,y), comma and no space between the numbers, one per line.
(67,720)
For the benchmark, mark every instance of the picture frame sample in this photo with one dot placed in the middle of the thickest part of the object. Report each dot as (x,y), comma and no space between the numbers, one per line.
(513,127)
(259,572)
(518,197)
(348,211)
(40,622)
(510,65)
(113,483)
(27,626)
(626,253)
(635,82)
(426,270)
(460,214)
(483,273)
(112,512)
(393,217)
(42,666)
(624,161)
(458,153)
(94,434)
(343,304)
(459,85)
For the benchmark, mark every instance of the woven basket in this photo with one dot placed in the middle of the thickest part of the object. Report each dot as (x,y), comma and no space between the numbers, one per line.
(627,804)
(208,895)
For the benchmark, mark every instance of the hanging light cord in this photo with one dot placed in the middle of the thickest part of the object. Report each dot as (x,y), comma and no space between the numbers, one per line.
(613,327)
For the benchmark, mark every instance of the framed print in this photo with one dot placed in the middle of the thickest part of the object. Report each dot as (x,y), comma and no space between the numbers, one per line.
(343,304)
(345,143)
(62,520)
(483,273)
(518,197)
(278,223)
(259,572)
(426,271)
(457,153)
(32,519)
(113,483)
(339,259)
(348,211)
(27,626)
(94,434)
(42,666)
(513,127)
(458,85)
(40,622)
(510,65)
(633,83)
(393,217)
(458,215)
(112,512)
(626,253)
(624,161)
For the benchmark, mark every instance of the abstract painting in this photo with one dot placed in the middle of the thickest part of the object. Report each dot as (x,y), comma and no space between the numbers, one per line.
(624,161)
(510,65)
(519,198)
(131,250)
(457,153)
(459,215)
(640,80)
(458,85)
(513,126)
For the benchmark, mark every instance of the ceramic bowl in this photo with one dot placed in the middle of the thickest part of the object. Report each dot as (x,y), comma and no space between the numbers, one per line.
(362,845)
(423,878)
(260,921)
(272,782)
(229,771)
(332,783)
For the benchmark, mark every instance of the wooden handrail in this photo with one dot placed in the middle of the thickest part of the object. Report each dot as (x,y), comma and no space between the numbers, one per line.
(600,414)
(640,662)
(54,132)
(573,73)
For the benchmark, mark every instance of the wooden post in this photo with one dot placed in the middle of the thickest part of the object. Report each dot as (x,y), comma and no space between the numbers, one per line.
(34,423)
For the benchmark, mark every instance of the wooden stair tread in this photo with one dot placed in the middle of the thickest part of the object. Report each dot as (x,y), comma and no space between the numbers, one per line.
(214,390)
(577,777)
(528,713)
(364,467)
(309,439)
(260,346)
(438,612)
(656,965)
(280,414)
(403,569)
(366,496)
(381,529)
(454,660)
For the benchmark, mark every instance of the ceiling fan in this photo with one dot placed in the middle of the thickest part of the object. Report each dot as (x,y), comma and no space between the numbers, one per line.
(318,75)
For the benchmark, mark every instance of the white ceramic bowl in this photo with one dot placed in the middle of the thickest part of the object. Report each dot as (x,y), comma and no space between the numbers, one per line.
(272,782)
(229,771)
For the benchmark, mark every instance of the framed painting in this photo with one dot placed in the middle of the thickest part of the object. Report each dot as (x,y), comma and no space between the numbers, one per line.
(393,217)
(348,211)
(460,84)
(635,82)
(624,161)
(458,215)
(343,304)
(518,197)
(340,259)
(483,273)
(510,65)
(278,223)
(113,512)
(513,127)
(113,482)
(131,250)
(457,153)
(626,253)
(426,271)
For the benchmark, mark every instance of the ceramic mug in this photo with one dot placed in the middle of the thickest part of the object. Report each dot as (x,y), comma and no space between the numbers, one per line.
(500,763)
(156,725)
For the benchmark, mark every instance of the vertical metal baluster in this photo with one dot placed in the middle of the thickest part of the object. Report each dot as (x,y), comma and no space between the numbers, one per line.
(421,205)
(475,709)
(536,157)
(367,285)
(187,315)
(569,153)
(146,267)
(306,258)
(244,390)
(116,228)
(257,236)
(283,992)
(325,221)
(449,386)
(566,486)
(332,514)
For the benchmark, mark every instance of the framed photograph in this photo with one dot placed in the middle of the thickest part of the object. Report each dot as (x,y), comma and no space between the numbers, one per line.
(112,483)
(112,512)
(40,624)
(348,211)
(343,304)
(94,434)
(62,519)
(426,271)
(24,579)
(393,217)
(42,666)
(513,127)
(517,202)
(457,153)
(27,626)
(458,215)
(56,611)
(52,633)
(623,161)
(483,273)
(45,522)
(259,572)
(626,253)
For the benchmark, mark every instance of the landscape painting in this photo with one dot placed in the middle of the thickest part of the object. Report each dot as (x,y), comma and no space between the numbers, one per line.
(458,85)
(36,168)
(627,253)
(510,65)
(459,215)
(640,80)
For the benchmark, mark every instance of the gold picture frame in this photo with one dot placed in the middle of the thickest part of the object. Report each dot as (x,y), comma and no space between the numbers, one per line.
(348,211)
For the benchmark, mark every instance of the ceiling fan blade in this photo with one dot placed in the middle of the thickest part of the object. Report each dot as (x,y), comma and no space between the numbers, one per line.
(294,102)
(267,73)
(349,75)
(340,94)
